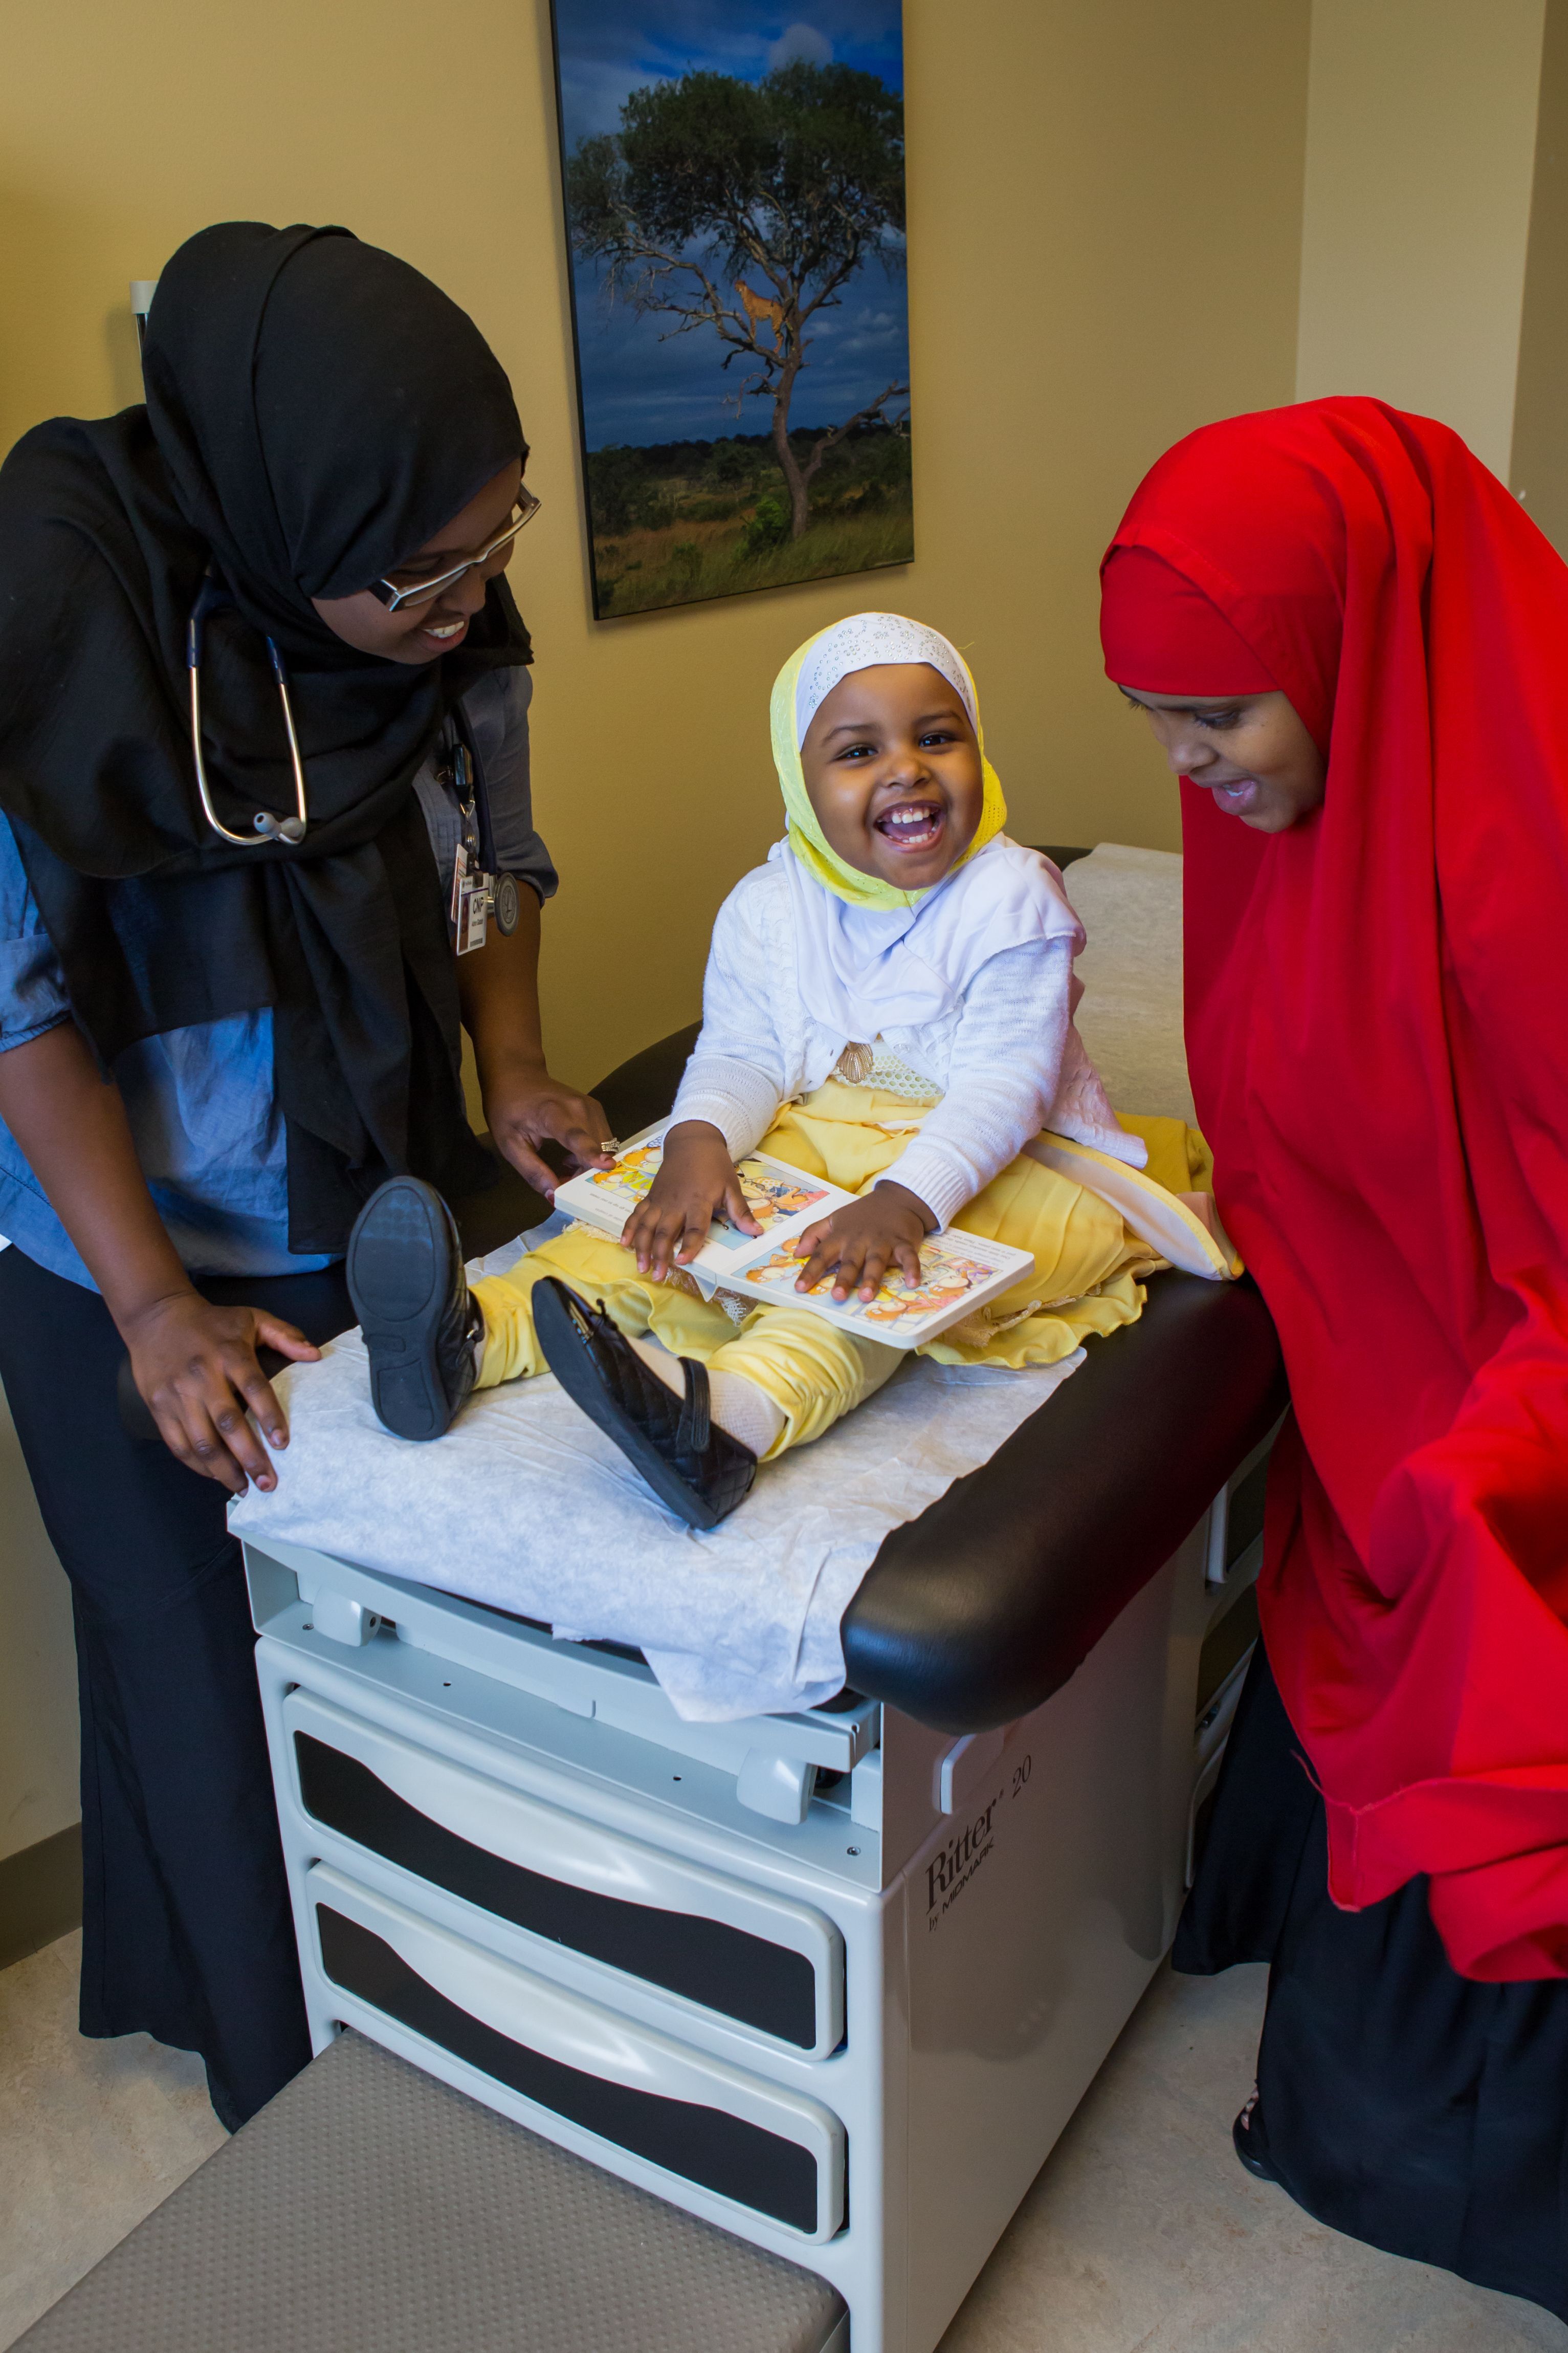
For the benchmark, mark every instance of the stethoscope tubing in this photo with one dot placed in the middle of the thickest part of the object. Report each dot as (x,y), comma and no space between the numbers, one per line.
(267,827)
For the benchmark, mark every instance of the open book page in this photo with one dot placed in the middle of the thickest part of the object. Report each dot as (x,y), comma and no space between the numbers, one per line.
(783,1201)
(959,1273)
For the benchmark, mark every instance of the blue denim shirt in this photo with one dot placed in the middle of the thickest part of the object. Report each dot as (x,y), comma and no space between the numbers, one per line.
(208,1131)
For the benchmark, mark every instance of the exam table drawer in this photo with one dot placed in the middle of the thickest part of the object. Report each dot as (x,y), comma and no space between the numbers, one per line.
(753,1959)
(773,2151)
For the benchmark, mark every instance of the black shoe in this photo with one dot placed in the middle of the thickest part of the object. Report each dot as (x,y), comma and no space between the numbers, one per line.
(415,1312)
(691,1464)
(1247,2132)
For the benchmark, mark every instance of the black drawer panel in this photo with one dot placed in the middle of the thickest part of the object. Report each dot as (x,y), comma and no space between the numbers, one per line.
(746,1977)
(720,2152)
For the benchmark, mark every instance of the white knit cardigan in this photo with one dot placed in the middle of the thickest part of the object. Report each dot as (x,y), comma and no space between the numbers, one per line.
(1007,1060)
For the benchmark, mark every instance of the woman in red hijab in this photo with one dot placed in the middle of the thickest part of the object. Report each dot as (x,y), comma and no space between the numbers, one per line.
(1353,647)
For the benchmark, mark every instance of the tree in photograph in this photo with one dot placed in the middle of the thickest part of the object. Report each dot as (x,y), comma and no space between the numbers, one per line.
(712,185)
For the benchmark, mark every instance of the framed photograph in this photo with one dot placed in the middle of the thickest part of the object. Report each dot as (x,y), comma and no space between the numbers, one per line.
(735,185)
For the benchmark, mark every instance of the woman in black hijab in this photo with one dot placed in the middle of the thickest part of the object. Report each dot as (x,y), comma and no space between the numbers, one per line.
(216,1039)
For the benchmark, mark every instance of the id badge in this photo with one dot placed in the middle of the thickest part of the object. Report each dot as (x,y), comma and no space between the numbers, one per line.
(473,914)
(471,896)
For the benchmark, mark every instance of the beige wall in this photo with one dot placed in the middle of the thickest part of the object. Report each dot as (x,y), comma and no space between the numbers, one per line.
(38,1793)
(1539,465)
(1085,287)
(1420,144)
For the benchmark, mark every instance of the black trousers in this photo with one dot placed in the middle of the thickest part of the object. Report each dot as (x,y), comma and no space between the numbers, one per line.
(186,1928)
(1398,2102)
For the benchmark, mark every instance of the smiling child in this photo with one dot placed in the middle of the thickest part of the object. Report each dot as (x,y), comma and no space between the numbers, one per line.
(888,1005)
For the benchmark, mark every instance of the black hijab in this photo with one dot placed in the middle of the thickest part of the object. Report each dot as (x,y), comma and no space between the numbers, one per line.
(315,411)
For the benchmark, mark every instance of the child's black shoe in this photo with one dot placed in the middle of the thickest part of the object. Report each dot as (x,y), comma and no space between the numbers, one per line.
(415,1311)
(692,1465)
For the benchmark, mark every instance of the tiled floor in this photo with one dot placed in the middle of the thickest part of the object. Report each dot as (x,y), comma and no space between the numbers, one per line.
(92,2135)
(1143,2234)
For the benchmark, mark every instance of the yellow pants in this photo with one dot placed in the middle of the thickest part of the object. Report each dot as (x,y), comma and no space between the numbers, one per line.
(1088,1261)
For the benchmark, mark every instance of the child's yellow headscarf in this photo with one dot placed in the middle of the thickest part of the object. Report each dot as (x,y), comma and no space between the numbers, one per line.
(811,673)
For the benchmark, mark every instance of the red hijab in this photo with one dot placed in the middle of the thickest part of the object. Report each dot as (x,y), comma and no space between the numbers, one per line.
(1377,1026)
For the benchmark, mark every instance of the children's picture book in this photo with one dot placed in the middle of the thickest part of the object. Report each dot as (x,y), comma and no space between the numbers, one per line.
(960,1273)
(784,1201)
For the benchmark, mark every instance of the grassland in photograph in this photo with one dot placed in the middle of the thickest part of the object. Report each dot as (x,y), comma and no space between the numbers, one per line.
(685,522)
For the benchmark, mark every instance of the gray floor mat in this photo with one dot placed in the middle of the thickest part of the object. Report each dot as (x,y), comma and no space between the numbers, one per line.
(372,2207)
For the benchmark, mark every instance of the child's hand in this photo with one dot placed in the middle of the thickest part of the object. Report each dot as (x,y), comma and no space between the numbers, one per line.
(858,1245)
(697,1182)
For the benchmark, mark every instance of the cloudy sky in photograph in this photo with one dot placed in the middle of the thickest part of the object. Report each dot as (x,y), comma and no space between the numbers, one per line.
(636,388)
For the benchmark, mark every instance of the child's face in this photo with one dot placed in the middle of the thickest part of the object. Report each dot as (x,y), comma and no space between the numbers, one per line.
(893,771)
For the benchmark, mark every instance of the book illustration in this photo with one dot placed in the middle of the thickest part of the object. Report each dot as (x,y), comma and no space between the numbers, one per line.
(948,1276)
(785,1201)
(630,1172)
(773,1191)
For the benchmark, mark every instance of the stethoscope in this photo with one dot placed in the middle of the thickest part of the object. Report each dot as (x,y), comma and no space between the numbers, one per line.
(214,596)
(476,878)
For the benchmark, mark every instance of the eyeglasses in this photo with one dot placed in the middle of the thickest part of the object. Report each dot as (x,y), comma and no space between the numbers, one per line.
(420,592)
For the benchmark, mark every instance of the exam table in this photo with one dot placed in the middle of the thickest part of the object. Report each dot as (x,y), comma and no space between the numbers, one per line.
(639,2033)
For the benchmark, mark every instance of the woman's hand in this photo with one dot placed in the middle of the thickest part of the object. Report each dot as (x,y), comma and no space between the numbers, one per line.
(195,1364)
(526,1107)
(697,1182)
(858,1245)
(196,1367)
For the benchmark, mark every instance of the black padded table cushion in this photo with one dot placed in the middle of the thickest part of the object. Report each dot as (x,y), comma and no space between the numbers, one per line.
(979,1609)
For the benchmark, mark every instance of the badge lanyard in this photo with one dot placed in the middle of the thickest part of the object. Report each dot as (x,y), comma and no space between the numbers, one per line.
(479,892)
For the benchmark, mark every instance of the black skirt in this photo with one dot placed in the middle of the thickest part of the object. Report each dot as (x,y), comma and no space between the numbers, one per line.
(1398,2102)
(186,1932)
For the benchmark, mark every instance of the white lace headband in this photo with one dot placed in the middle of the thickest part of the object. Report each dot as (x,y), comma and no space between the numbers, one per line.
(866,638)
